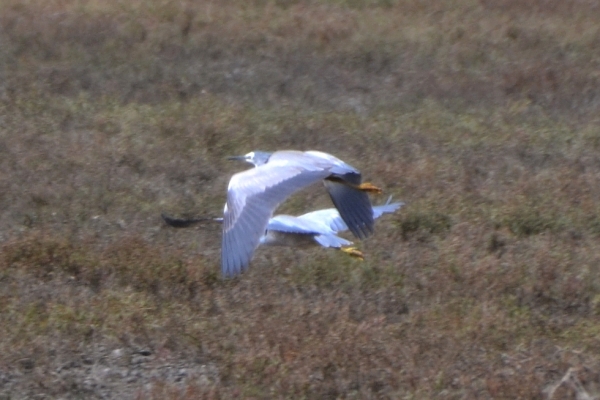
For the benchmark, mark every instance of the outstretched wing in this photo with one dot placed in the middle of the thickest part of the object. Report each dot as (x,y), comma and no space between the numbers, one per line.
(290,224)
(332,241)
(252,197)
(330,217)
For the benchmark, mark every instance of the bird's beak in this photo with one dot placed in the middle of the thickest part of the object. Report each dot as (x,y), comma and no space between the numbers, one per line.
(238,158)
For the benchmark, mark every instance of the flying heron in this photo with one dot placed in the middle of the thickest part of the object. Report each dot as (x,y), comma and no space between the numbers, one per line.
(254,194)
(314,228)
(317,227)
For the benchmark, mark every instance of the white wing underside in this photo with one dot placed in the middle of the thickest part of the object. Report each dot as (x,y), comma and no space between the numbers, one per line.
(252,197)
(321,233)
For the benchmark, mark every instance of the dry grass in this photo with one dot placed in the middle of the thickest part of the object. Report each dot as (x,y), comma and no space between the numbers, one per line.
(481,116)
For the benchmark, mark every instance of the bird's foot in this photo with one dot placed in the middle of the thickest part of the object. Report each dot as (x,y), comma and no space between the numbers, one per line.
(369,187)
(353,252)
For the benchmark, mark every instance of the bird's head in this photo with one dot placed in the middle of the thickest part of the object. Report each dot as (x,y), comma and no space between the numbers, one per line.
(257,158)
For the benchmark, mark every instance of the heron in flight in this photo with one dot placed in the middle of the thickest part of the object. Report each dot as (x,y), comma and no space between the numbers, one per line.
(254,194)
(314,228)
(317,227)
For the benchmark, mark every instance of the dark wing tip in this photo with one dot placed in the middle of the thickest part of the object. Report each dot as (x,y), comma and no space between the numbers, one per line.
(354,207)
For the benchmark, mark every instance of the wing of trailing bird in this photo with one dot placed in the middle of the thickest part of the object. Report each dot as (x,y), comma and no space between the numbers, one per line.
(252,197)
(332,241)
(330,217)
(290,224)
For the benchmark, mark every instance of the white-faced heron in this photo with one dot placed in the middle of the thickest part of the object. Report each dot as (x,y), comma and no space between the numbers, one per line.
(314,228)
(318,227)
(254,194)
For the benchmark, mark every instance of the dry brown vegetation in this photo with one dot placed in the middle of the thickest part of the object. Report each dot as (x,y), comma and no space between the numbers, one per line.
(483,116)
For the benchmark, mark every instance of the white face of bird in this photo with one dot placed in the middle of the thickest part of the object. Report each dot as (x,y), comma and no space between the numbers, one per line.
(256,158)
(249,158)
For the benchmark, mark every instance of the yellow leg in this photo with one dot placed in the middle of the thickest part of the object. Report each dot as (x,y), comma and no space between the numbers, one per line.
(353,252)
(369,187)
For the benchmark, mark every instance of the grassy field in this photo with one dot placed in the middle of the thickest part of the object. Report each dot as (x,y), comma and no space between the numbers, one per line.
(483,116)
